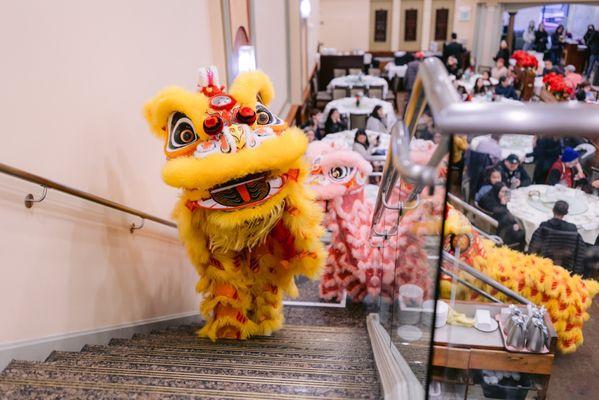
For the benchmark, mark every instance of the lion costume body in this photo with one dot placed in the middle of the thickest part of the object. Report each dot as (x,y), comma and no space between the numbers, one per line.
(358,264)
(245,216)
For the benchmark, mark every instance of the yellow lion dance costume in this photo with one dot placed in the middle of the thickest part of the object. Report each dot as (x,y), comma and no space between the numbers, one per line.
(245,216)
(566,297)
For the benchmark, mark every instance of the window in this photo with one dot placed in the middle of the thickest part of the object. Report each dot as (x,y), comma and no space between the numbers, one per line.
(441,19)
(380,26)
(411,25)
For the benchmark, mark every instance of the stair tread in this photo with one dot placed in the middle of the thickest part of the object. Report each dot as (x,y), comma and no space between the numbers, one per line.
(253,384)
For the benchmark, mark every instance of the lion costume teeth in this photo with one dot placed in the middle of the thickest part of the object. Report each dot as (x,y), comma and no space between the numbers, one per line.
(245,215)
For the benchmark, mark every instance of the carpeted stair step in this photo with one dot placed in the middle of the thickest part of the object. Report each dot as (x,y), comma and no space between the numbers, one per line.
(169,355)
(199,383)
(355,346)
(238,369)
(367,367)
(240,348)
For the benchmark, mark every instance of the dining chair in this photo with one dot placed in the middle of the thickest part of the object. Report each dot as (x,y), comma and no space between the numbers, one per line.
(337,72)
(357,121)
(376,91)
(339,92)
(320,97)
(374,72)
(355,71)
(356,90)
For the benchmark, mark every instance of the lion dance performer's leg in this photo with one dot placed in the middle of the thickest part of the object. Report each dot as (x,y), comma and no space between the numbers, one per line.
(227,298)
(293,247)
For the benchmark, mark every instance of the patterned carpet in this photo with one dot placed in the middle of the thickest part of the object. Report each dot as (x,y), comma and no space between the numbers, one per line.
(299,362)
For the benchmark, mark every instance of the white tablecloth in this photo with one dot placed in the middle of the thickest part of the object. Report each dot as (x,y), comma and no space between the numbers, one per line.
(345,139)
(584,209)
(510,144)
(358,80)
(395,70)
(347,105)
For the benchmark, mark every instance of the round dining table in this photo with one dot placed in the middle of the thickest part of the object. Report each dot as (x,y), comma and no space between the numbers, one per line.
(533,205)
(350,81)
(395,70)
(347,106)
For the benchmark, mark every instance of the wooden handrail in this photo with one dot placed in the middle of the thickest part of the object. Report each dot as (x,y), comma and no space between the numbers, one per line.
(49,184)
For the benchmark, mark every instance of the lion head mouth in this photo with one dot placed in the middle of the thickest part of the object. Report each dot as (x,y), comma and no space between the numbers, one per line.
(249,190)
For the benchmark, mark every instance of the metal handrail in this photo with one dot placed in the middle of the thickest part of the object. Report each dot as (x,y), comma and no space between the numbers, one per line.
(484,278)
(461,203)
(49,184)
(398,164)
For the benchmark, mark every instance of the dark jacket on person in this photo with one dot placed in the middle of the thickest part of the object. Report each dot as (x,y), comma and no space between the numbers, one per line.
(545,152)
(559,225)
(318,133)
(508,92)
(332,127)
(490,202)
(556,43)
(453,49)
(503,53)
(559,240)
(591,39)
(519,173)
(541,39)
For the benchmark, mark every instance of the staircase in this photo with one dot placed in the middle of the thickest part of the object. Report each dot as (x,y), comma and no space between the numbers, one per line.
(300,361)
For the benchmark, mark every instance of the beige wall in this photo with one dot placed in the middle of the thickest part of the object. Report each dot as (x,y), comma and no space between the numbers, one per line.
(75,76)
(271,43)
(345,24)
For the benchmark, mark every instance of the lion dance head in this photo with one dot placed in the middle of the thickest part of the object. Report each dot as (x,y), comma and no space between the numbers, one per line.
(245,216)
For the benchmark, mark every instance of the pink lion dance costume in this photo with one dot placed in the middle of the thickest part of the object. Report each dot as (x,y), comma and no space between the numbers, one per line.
(356,264)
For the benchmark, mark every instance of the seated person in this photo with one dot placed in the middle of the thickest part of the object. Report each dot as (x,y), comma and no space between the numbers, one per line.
(549,68)
(586,88)
(453,67)
(560,210)
(377,121)
(309,132)
(362,144)
(486,75)
(335,123)
(571,78)
(495,202)
(499,69)
(490,146)
(463,93)
(506,89)
(493,177)
(480,88)
(513,173)
(314,124)
(567,171)
(569,253)
(581,96)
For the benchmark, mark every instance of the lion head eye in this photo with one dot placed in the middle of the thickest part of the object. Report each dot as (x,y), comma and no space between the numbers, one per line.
(181,132)
(340,173)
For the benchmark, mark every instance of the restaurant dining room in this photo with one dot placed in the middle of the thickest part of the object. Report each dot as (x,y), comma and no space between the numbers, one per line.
(404,201)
